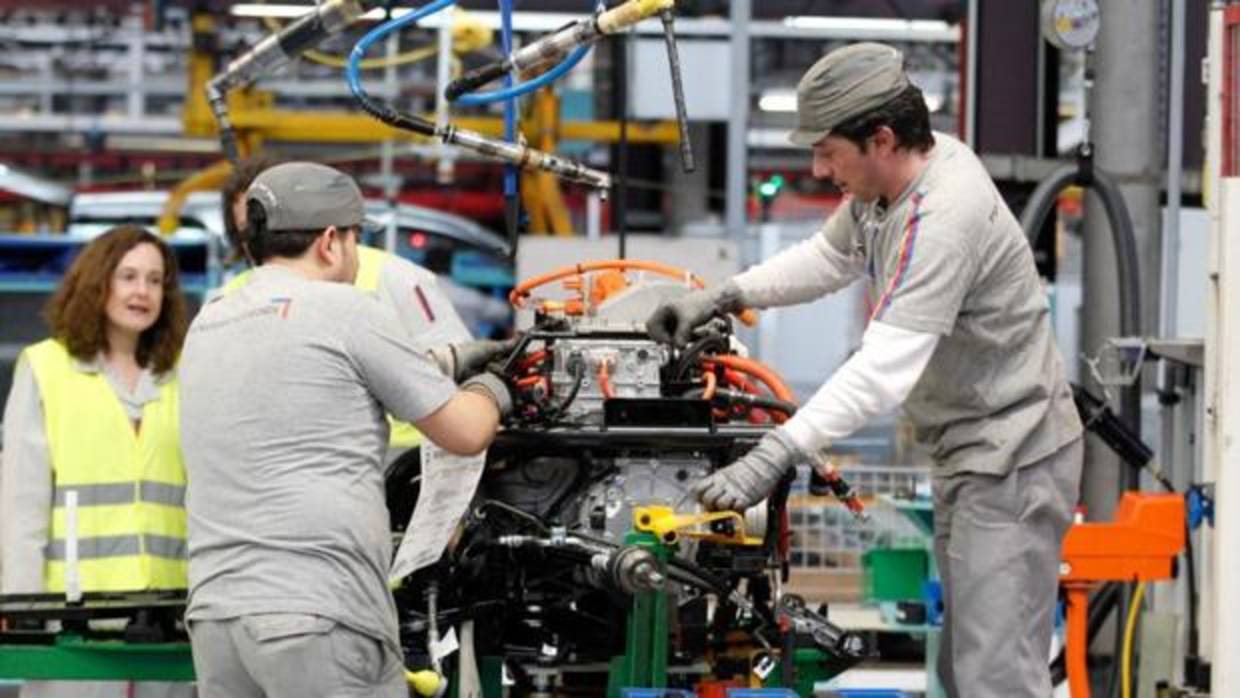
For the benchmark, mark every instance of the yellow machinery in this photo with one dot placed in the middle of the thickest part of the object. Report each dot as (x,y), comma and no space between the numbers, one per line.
(256,121)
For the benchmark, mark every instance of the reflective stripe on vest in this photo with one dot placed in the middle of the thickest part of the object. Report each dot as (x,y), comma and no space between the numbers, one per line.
(123,493)
(130,486)
(369,267)
(119,546)
(370,263)
(236,282)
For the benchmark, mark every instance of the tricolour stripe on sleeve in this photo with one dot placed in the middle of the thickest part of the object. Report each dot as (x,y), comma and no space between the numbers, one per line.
(906,254)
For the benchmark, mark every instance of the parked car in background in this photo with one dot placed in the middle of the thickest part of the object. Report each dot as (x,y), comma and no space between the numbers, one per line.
(470,260)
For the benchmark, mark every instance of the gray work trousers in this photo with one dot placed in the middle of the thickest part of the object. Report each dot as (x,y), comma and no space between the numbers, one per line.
(106,689)
(997,544)
(291,655)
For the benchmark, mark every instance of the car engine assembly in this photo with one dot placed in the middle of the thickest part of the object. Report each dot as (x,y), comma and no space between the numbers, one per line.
(585,504)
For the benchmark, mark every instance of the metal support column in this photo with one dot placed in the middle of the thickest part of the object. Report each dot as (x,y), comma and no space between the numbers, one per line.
(1220,597)
(738,124)
(1125,109)
(692,200)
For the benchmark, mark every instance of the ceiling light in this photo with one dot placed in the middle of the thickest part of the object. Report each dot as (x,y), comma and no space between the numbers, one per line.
(525,21)
(868,24)
(778,100)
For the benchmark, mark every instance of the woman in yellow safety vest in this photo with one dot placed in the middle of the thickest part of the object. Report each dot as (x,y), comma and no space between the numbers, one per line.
(92,484)
(91,429)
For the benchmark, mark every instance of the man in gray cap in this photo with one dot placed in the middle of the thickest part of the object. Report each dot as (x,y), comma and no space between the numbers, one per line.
(413,292)
(958,333)
(284,386)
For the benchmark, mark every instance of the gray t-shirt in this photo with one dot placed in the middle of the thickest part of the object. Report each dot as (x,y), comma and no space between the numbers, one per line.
(949,257)
(284,384)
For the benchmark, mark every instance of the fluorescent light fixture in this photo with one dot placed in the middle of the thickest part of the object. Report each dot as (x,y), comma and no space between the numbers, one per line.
(265,10)
(295,11)
(778,100)
(774,138)
(868,25)
(525,21)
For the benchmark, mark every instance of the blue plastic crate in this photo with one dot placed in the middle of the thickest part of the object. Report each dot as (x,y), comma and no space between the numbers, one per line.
(762,693)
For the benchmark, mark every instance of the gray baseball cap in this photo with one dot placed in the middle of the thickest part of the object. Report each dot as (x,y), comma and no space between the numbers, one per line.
(845,83)
(307,196)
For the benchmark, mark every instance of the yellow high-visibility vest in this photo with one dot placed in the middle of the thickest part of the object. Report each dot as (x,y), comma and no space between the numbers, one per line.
(130,487)
(369,267)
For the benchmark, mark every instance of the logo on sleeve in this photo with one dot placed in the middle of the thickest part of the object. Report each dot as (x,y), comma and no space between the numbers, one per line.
(281,304)
(422,301)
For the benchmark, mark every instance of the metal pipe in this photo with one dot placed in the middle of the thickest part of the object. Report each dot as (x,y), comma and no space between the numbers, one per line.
(1169,325)
(445,164)
(1175,174)
(678,90)
(387,152)
(1124,106)
(620,78)
(970,83)
(738,122)
(512,200)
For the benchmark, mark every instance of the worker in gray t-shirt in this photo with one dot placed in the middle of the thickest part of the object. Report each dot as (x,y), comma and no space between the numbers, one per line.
(958,333)
(284,386)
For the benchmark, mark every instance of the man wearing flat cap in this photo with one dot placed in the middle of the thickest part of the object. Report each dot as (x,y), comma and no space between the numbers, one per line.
(284,386)
(958,333)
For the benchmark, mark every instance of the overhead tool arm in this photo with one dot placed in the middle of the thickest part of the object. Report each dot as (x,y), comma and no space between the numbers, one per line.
(552,47)
(514,153)
(678,89)
(556,45)
(274,52)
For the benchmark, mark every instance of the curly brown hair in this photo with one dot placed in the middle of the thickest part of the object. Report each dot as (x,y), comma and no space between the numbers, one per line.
(76,312)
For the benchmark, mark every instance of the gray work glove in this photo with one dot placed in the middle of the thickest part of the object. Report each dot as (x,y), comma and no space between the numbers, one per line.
(463,360)
(673,322)
(489,385)
(752,477)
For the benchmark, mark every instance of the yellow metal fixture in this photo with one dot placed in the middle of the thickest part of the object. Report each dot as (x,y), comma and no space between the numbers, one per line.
(205,180)
(669,526)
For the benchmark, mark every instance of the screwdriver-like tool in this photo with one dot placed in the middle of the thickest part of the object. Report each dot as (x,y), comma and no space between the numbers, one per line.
(678,90)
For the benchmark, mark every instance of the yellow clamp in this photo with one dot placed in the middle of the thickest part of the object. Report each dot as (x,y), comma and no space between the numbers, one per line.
(425,683)
(630,13)
(668,526)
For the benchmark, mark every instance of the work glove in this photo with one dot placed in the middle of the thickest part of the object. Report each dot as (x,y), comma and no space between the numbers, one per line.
(751,478)
(493,386)
(463,360)
(673,322)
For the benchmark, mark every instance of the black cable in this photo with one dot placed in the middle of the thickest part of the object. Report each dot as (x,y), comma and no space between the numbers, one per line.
(516,512)
(1192,658)
(690,353)
(392,116)
(759,401)
(579,374)
(1113,683)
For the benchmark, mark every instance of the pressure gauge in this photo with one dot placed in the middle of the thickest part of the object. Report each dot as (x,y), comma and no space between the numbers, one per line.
(1070,24)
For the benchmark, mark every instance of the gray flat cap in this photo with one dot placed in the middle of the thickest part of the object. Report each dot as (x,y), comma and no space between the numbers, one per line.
(845,83)
(307,196)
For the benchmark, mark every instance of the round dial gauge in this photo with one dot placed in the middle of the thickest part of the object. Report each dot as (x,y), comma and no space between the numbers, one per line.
(1070,24)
